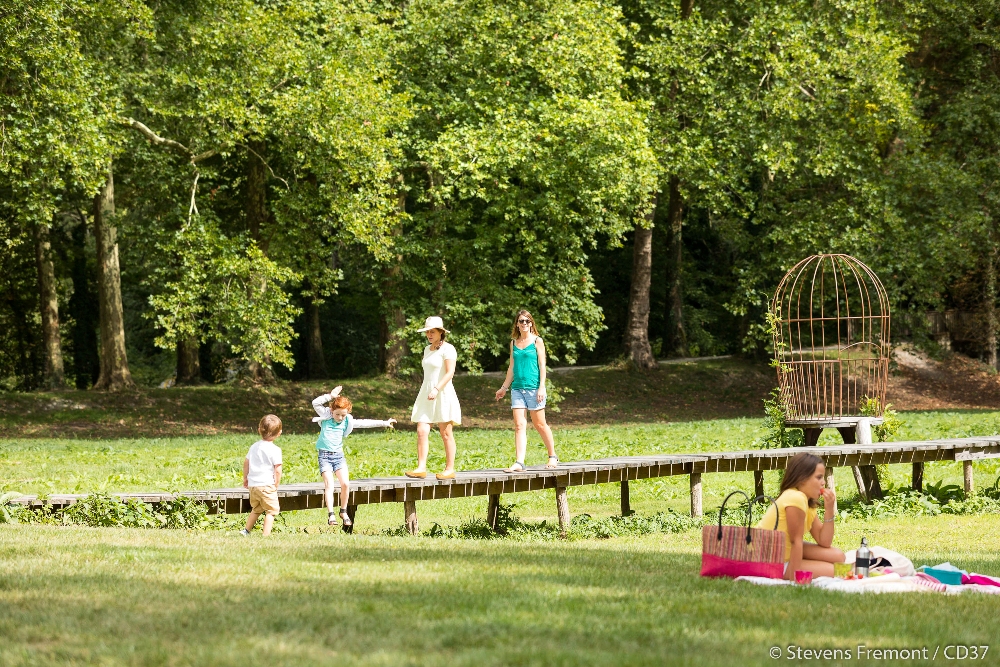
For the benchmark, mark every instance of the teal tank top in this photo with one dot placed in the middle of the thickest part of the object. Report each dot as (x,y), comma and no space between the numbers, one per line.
(526,375)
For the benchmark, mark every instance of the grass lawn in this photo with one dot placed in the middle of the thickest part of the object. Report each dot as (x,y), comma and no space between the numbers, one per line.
(71,595)
(76,596)
(45,465)
(684,391)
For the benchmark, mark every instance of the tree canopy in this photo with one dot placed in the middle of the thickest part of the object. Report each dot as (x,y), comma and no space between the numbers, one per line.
(288,187)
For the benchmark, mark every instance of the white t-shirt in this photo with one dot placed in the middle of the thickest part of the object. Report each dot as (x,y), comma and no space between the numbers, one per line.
(263,456)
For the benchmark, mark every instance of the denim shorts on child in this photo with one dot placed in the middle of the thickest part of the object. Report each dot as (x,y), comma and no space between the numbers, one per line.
(525,399)
(331,461)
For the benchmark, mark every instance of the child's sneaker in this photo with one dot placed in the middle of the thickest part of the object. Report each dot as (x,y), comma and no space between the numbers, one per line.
(244,532)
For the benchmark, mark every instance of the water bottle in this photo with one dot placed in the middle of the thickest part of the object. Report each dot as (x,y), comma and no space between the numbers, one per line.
(863,559)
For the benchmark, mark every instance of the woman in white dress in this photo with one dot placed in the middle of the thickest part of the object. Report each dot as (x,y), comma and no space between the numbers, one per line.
(437,402)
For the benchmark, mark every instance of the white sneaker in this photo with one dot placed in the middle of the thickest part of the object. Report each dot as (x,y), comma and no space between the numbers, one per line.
(244,532)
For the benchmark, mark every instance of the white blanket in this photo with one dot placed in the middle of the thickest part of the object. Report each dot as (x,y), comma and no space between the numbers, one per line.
(887,583)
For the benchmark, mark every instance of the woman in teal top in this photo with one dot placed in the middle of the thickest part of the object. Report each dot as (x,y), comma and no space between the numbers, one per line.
(526,380)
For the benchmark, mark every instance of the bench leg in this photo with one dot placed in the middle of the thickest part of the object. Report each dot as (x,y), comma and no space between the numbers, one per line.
(696,494)
(562,508)
(758,483)
(351,511)
(410,516)
(626,503)
(873,486)
(860,481)
(967,475)
(918,476)
(492,509)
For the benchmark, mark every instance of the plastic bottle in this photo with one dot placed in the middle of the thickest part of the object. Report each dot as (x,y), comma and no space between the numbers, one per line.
(863,559)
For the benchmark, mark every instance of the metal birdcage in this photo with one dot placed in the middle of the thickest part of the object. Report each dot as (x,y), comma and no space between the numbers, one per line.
(830,318)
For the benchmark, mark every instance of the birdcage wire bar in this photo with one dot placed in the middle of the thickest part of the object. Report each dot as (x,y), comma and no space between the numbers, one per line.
(831,338)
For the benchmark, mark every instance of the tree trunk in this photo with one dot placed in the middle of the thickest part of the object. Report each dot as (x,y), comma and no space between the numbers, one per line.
(392,348)
(48,304)
(314,342)
(637,328)
(991,305)
(256,203)
(677,337)
(188,361)
(115,375)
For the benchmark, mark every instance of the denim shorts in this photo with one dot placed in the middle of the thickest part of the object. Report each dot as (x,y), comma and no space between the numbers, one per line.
(525,399)
(331,461)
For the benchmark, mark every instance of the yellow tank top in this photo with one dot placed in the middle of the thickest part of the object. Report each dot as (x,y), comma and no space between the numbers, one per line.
(790,498)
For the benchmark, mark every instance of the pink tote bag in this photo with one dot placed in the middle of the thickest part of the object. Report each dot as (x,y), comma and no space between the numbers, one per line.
(742,551)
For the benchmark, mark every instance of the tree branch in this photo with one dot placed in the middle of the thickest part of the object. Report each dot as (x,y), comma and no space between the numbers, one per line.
(157,140)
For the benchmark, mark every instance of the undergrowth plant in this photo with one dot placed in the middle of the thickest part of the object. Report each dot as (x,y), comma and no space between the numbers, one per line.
(101,510)
(778,434)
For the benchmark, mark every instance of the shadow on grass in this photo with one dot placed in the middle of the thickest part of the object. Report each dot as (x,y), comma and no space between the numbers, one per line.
(123,598)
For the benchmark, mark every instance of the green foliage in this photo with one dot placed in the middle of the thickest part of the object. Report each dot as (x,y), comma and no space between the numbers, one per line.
(523,156)
(100,510)
(9,513)
(778,435)
(891,423)
(944,493)
(584,526)
(937,498)
(221,290)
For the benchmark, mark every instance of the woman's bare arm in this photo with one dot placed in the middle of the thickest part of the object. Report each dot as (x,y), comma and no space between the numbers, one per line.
(449,373)
(540,349)
(822,531)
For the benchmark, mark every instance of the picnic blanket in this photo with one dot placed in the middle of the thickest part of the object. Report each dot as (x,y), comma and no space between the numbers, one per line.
(888,583)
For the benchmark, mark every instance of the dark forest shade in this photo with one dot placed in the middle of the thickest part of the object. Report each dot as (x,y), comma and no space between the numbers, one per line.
(83,309)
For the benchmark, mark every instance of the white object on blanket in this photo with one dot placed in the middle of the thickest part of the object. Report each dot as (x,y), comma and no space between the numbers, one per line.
(887,583)
(901,565)
(767,581)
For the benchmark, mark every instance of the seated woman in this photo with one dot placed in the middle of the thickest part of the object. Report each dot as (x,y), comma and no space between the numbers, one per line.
(804,482)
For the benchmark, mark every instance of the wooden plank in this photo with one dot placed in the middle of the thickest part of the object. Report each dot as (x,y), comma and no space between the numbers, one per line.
(598,471)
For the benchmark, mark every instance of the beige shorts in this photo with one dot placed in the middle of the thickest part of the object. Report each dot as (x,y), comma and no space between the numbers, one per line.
(264,499)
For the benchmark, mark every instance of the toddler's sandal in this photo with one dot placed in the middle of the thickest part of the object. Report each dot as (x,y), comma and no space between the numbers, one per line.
(330,520)
(553,462)
(517,466)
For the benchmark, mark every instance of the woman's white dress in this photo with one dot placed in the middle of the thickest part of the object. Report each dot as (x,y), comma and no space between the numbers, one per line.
(445,407)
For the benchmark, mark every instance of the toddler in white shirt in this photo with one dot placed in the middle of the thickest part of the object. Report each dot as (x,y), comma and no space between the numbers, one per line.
(262,474)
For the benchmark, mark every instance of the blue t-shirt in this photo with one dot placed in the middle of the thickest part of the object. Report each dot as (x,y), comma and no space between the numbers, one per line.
(331,434)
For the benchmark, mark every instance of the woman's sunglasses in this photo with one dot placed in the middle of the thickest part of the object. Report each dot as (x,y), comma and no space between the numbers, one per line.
(522,321)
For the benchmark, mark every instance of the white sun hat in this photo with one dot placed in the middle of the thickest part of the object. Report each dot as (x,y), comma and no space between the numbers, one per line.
(433,322)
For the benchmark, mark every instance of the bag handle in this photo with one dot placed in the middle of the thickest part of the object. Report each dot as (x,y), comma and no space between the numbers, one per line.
(763,498)
(722,510)
(749,515)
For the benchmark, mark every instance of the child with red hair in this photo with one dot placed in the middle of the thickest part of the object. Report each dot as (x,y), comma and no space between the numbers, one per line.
(335,424)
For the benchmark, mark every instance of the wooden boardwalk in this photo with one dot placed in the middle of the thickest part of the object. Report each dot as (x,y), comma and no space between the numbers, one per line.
(622,469)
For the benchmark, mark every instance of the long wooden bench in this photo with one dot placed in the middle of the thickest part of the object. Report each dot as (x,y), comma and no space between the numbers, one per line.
(621,469)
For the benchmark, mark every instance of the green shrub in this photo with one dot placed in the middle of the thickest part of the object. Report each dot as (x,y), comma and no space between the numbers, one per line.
(584,526)
(778,434)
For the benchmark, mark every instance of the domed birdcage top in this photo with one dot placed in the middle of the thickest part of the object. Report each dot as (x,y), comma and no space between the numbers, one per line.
(830,319)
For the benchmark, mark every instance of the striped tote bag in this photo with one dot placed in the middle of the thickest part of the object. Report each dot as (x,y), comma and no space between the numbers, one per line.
(738,551)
